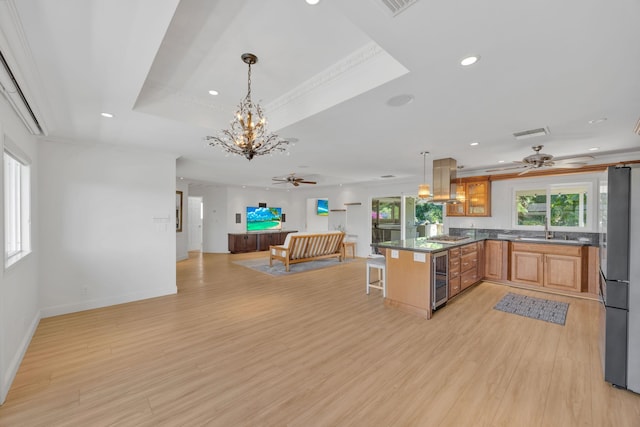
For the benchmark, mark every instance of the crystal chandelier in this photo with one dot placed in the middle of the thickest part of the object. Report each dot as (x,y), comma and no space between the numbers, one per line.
(248,135)
(424,190)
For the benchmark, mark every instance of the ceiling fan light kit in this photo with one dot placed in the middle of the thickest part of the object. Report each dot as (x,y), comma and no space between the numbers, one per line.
(248,135)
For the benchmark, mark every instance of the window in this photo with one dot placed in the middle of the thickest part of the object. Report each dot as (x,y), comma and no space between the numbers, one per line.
(558,206)
(17,221)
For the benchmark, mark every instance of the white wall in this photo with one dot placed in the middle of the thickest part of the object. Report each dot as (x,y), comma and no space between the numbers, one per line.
(19,313)
(182,238)
(108,226)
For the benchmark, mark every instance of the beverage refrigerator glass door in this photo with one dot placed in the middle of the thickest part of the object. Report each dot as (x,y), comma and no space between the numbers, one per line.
(439,279)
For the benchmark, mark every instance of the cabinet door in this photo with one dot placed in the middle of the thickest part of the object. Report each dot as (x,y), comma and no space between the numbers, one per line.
(455,209)
(526,267)
(562,272)
(478,198)
(493,260)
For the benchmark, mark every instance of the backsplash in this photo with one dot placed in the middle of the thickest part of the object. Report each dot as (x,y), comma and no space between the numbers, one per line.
(506,234)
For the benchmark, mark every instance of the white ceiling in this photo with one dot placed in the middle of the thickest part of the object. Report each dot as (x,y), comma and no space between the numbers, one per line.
(325,74)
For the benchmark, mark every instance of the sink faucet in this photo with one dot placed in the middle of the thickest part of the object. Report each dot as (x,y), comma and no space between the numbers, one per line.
(547,234)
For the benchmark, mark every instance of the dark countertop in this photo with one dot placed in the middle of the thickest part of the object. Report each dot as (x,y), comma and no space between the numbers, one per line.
(421,244)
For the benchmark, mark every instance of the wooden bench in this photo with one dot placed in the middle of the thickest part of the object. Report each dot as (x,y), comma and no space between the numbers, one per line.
(302,247)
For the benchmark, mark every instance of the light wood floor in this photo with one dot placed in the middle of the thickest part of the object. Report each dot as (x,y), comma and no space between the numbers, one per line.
(240,348)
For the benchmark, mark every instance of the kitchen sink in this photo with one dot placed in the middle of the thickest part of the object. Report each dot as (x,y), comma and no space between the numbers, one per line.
(543,240)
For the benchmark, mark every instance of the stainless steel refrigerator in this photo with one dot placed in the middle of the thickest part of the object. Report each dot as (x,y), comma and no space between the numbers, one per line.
(620,276)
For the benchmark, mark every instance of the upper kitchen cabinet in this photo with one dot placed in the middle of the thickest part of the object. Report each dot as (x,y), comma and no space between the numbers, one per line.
(476,198)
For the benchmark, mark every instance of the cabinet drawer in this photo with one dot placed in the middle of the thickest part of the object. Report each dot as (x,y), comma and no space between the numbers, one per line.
(454,287)
(454,263)
(467,249)
(455,272)
(454,253)
(467,279)
(468,262)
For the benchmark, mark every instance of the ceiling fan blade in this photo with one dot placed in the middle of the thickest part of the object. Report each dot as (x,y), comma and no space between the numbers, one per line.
(525,171)
(307,182)
(295,183)
(582,159)
(505,169)
(558,165)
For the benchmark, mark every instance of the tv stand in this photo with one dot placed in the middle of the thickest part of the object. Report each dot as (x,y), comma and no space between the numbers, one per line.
(256,241)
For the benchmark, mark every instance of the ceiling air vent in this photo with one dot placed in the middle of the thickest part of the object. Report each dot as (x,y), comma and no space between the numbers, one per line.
(397,6)
(636,129)
(531,133)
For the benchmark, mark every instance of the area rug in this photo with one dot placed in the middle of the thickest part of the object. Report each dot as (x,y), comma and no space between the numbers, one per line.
(535,308)
(278,269)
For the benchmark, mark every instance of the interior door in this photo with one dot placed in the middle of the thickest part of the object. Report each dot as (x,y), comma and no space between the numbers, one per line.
(195,224)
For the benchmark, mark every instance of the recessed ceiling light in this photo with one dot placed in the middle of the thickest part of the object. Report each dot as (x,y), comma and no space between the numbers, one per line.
(594,148)
(107,115)
(312,2)
(182,177)
(400,100)
(596,121)
(473,144)
(500,161)
(213,92)
(469,60)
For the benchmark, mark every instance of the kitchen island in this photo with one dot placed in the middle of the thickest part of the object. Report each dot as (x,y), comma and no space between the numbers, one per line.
(410,268)
(568,267)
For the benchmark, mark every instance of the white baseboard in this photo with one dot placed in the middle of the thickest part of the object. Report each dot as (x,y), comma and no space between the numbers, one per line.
(12,369)
(105,302)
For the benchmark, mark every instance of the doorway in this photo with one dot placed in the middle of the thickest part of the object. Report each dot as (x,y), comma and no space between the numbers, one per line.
(195,213)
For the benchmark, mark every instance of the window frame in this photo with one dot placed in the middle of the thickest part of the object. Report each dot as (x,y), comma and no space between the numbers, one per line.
(548,189)
(21,213)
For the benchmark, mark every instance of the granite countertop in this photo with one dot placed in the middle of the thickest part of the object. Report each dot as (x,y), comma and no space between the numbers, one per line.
(422,244)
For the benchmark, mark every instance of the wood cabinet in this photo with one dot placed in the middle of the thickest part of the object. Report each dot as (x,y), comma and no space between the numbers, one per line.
(463,267)
(454,272)
(562,272)
(243,243)
(409,281)
(496,259)
(252,242)
(477,198)
(561,267)
(526,267)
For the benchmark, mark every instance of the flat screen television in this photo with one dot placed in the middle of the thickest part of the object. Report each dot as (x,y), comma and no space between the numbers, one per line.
(264,218)
(322,207)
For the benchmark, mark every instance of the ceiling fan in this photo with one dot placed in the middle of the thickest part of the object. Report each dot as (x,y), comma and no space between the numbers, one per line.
(542,160)
(292,179)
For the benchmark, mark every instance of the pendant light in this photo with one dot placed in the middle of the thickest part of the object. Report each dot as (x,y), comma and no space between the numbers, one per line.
(424,190)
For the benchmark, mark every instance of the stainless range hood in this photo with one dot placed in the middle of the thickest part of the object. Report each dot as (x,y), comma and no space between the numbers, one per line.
(444,176)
